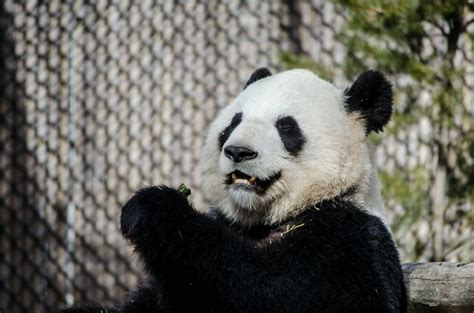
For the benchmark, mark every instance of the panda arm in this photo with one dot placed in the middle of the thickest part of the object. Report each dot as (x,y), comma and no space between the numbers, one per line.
(171,238)
(162,225)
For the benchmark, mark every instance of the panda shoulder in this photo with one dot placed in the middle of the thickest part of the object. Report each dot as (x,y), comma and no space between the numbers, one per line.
(343,218)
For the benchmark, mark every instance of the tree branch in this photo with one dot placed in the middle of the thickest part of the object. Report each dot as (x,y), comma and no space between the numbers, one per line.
(465,26)
(440,28)
(438,287)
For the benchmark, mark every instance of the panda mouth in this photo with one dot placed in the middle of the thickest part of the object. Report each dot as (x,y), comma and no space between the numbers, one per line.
(242,180)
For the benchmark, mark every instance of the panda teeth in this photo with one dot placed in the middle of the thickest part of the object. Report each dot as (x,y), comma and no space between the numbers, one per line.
(241,181)
(234,177)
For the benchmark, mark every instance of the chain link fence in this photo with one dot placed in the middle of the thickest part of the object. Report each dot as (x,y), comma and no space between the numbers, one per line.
(99,98)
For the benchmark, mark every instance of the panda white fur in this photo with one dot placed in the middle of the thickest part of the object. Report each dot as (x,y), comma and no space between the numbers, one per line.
(297,224)
(333,154)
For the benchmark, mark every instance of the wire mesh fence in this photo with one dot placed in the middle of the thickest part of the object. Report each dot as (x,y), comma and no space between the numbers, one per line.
(99,98)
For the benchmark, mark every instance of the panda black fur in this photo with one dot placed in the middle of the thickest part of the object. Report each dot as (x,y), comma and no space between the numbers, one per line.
(298,220)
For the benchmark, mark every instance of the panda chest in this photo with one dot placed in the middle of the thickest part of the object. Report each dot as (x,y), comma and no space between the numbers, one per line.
(265,235)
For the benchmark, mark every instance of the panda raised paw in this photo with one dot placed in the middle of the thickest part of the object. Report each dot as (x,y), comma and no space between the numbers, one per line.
(150,208)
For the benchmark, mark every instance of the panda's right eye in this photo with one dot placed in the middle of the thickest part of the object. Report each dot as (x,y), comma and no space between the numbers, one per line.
(236,119)
(224,135)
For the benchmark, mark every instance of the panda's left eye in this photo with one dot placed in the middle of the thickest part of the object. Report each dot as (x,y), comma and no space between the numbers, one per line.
(290,134)
(286,124)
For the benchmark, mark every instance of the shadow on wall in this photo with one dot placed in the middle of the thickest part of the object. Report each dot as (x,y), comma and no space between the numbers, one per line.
(26,275)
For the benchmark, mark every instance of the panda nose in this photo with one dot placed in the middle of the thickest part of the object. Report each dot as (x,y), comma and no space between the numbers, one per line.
(237,154)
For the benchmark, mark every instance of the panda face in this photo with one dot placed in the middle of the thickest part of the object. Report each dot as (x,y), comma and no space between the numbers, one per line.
(286,142)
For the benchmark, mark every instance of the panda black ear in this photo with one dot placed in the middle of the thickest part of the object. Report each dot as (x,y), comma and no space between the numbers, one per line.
(257,75)
(371,95)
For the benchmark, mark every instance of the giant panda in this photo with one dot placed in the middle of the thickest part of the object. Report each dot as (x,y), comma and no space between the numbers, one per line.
(296,221)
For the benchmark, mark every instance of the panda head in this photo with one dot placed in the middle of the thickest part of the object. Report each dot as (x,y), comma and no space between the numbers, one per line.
(291,140)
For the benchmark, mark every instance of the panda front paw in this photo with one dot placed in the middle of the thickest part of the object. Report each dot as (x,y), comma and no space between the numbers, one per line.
(150,209)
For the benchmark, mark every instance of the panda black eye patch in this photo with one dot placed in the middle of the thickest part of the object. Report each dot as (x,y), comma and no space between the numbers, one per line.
(224,135)
(290,134)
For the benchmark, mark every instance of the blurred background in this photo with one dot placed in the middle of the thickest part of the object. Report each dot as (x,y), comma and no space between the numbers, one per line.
(99,98)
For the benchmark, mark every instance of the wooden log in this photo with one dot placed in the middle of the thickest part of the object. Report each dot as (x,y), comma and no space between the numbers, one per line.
(440,287)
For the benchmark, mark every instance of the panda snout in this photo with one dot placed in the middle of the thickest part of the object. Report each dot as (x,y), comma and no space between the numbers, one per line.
(239,153)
